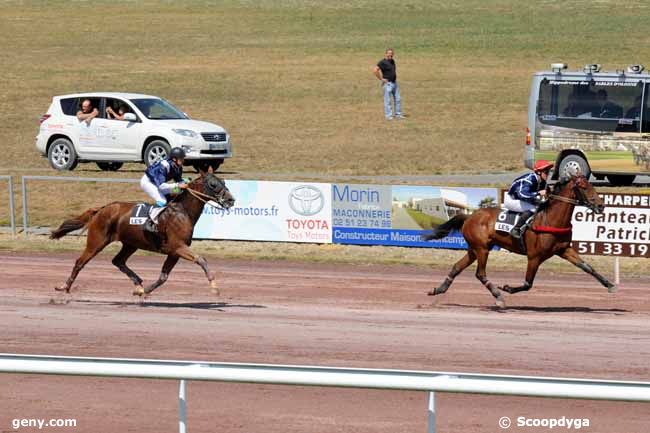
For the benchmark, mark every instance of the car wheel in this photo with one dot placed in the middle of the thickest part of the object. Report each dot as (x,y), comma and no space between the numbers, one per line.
(571,163)
(204,165)
(215,164)
(109,166)
(156,151)
(62,155)
(200,166)
(621,179)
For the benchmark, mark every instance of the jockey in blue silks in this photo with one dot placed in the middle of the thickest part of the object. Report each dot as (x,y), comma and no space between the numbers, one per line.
(525,193)
(155,181)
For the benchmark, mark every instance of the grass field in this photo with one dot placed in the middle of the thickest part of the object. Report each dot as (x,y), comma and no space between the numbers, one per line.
(292,82)
(425,221)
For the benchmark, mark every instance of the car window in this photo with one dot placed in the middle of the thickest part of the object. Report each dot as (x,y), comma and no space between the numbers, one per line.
(158,109)
(116,105)
(70,106)
(95,102)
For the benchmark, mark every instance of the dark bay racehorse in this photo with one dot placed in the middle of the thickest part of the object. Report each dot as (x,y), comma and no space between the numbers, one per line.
(110,223)
(550,236)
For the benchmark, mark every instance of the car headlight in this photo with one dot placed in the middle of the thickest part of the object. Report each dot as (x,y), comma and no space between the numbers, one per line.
(186,132)
(188,149)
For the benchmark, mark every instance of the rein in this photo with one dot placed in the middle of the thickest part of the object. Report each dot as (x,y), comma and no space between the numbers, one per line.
(199,195)
(564,199)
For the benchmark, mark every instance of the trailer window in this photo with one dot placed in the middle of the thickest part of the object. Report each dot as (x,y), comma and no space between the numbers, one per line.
(606,106)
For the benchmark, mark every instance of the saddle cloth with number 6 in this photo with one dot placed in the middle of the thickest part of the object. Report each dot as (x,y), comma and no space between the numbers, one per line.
(506,220)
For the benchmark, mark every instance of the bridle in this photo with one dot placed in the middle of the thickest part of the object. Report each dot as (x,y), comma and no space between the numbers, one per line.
(208,199)
(580,201)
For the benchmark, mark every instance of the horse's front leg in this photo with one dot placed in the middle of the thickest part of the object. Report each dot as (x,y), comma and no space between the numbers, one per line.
(572,256)
(186,253)
(531,271)
(169,264)
(481,274)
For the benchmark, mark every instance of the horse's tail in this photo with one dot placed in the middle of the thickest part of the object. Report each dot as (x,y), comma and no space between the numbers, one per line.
(443,229)
(74,223)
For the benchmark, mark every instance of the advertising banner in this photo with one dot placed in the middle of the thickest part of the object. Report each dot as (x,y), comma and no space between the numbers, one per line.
(271,211)
(399,215)
(622,230)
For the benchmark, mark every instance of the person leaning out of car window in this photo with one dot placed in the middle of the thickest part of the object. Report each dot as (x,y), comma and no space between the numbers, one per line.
(87,112)
(111,114)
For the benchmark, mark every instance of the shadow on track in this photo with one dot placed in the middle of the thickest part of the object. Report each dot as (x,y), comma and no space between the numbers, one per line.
(615,311)
(218,306)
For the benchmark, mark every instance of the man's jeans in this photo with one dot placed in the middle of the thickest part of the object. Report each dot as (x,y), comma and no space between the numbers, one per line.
(392,89)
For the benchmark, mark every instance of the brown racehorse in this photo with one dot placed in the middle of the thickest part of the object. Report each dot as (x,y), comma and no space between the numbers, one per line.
(550,235)
(110,223)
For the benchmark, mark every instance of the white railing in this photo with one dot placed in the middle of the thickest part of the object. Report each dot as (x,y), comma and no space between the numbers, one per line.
(327,376)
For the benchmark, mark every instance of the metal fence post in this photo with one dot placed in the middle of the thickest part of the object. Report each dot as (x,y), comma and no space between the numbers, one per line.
(432,413)
(12,207)
(182,408)
(24,193)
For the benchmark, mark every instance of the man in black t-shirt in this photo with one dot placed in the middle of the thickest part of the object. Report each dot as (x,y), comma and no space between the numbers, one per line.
(386,72)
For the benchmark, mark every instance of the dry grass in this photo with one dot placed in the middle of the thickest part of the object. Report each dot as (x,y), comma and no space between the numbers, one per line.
(291,80)
(331,253)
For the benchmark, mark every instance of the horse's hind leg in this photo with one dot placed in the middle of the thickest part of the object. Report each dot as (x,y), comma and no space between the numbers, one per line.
(169,264)
(572,256)
(120,262)
(94,244)
(458,267)
(482,256)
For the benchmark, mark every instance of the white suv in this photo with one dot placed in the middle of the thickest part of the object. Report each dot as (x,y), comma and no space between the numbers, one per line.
(150,128)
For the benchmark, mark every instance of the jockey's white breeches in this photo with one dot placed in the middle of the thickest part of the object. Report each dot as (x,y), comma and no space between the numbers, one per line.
(152,191)
(517,205)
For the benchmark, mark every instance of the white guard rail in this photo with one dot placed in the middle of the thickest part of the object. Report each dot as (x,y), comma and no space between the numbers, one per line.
(327,376)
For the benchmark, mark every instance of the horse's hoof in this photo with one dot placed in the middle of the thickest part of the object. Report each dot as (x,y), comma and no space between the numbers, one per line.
(138,291)
(431,292)
(500,303)
(506,289)
(612,289)
(214,287)
(61,289)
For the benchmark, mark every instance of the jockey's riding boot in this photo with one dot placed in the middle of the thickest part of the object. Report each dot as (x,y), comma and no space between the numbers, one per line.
(150,226)
(517,229)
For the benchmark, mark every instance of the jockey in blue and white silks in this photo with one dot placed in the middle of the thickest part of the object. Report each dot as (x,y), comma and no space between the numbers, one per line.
(155,181)
(525,191)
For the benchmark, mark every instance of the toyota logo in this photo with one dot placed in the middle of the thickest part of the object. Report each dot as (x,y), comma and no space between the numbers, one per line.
(306,200)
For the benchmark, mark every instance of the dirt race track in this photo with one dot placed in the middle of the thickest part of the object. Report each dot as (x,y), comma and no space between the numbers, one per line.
(332,315)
